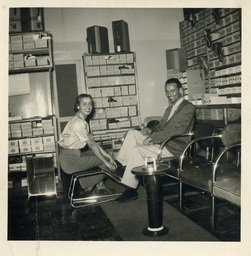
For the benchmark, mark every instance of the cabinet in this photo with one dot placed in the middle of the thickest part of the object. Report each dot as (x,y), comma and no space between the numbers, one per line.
(213,44)
(111,80)
(33,155)
(30,52)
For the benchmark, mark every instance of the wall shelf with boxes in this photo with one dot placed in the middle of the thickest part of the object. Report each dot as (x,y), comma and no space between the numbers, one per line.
(218,114)
(33,138)
(112,81)
(29,52)
(220,39)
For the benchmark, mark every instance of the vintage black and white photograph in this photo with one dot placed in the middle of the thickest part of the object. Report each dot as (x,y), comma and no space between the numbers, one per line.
(124,125)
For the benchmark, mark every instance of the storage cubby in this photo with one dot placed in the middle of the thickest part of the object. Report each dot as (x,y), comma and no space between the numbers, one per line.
(31,138)
(112,81)
(213,45)
(29,52)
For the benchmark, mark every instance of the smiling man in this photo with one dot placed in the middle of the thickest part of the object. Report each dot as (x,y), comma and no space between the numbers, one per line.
(178,118)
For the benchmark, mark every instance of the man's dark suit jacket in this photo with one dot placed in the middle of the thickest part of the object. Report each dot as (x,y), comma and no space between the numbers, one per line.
(182,121)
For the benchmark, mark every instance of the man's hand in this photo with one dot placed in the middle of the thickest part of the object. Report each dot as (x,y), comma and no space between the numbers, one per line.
(147,141)
(146,131)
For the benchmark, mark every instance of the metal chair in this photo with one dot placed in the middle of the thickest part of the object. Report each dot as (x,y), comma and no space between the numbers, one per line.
(199,131)
(82,201)
(211,174)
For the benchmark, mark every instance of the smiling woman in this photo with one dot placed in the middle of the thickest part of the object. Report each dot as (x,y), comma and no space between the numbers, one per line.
(78,150)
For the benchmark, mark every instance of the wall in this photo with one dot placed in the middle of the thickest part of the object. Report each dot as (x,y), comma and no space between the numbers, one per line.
(151,32)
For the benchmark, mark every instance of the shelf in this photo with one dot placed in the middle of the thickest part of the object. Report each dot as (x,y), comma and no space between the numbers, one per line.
(30,69)
(106,74)
(39,45)
(106,54)
(231,94)
(112,85)
(35,52)
(110,64)
(111,75)
(228,66)
(31,119)
(227,105)
(32,136)
(227,75)
(226,85)
(32,153)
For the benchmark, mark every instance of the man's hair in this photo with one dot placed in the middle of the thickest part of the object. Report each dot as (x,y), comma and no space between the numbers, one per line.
(175,81)
(79,98)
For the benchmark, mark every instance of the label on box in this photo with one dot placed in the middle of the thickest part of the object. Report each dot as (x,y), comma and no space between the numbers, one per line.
(16,126)
(46,122)
(35,141)
(37,147)
(13,143)
(26,125)
(16,134)
(37,131)
(30,62)
(24,142)
(29,45)
(16,46)
(49,147)
(41,43)
(13,150)
(16,39)
(42,61)
(18,57)
(18,64)
(27,132)
(28,37)
(48,140)
(25,149)
(49,130)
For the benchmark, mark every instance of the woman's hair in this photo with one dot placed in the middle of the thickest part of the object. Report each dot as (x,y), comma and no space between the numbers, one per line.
(174,80)
(79,98)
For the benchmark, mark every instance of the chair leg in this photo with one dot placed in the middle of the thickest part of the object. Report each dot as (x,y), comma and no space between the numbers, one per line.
(213,213)
(70,190)
(181,197)
(89,199)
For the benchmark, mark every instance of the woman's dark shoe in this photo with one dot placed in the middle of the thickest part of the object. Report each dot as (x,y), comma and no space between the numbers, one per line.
(127,196)
(118,163)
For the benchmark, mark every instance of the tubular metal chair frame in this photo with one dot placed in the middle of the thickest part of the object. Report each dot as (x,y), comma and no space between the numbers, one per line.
(214,172)
(227,149)
(182,157)
(92,199)
(167,159)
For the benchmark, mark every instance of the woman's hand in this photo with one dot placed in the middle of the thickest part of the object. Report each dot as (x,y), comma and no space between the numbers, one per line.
(147,141)
(111,165)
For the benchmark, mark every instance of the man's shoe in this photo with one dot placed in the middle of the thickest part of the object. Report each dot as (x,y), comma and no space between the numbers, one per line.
(127,196)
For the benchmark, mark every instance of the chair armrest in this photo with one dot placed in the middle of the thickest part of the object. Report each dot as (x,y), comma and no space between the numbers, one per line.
(218,136)
(151,118)
(235,145)
(162,145)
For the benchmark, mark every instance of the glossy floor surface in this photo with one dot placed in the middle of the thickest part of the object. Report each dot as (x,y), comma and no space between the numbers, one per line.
(53,218)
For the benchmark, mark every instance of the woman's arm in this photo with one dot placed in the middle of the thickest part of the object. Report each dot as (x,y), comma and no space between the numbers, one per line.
(101,154)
